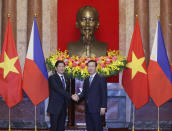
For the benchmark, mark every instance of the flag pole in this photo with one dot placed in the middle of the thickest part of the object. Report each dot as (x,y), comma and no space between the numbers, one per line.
(133,118)
(35,15)
(9,124)
(9,117)
(133,104)
(158,118)
(158,17)
(35,120)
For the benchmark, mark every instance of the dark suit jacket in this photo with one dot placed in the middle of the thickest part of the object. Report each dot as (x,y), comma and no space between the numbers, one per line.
(96,94)
(58,96)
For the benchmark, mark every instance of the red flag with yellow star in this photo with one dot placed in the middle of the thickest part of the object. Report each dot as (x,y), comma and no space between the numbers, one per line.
(10,70)
(135,80)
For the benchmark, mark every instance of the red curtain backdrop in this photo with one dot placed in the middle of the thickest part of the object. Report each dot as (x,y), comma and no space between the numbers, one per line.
(108,31)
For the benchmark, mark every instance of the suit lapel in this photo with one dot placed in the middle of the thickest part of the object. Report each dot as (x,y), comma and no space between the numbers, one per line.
(87,82)
(59,80)
(67,83)
(66,80)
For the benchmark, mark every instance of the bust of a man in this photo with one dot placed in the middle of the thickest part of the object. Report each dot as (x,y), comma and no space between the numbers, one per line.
(87,21)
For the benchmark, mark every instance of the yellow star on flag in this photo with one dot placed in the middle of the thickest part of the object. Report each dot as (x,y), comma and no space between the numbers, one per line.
(136,65)
(8,65)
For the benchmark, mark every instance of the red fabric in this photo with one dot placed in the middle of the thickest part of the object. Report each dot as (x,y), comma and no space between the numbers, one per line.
(136,87)
(108,16)
(34,82)
(158,85)
(109,23)
(10,85)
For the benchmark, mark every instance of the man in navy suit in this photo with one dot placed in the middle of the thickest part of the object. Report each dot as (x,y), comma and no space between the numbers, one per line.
(95,95)
(58,97)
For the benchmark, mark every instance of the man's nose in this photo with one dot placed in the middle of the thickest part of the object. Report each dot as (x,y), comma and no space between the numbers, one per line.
(87,22)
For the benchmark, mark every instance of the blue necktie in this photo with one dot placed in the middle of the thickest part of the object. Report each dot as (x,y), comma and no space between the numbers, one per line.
(90,79)
(63,82)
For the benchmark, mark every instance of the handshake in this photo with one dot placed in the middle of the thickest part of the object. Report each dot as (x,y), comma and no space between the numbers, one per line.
(75,97)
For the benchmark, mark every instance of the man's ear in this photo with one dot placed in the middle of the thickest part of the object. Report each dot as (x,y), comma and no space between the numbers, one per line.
(97,25)
(77,24)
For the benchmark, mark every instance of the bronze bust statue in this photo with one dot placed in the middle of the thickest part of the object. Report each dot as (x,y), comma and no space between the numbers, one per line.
(87,21)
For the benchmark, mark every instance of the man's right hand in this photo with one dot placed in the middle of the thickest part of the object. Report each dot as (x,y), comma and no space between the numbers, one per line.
(75,97)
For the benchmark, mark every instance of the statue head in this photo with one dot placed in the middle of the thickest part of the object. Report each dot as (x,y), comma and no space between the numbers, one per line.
(87,20)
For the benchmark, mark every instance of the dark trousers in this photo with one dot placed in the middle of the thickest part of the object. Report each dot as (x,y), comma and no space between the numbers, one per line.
(94,121)
(58,121)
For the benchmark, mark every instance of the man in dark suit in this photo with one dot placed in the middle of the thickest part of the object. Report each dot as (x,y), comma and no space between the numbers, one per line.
(58,97)
(95,94)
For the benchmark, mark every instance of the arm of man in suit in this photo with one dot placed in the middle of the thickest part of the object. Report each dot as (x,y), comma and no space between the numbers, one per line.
(54,85)
(83,93)
(104,96)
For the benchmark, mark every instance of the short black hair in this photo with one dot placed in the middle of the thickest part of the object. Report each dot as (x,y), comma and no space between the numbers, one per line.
(92,61)
(58,62)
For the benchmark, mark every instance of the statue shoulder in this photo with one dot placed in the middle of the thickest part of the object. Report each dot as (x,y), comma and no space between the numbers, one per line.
(101,44)
(74,48)
(99,48)
(73,44)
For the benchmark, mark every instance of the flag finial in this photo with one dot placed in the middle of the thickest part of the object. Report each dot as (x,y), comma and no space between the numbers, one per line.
(9,15)
(35,15)
(136,15)
(158,16)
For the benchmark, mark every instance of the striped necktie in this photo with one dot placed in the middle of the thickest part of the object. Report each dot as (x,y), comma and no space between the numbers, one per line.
(63,82)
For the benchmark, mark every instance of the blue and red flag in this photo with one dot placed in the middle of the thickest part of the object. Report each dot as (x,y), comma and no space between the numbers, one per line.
(159,71)
(35,76)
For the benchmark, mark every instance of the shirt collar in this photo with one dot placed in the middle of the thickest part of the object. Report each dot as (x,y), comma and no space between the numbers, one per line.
(60,74)
(93,75)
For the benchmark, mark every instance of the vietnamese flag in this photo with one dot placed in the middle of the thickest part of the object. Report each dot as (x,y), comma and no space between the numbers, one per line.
(10,70)
(35,76)
(135,80)
(159,71)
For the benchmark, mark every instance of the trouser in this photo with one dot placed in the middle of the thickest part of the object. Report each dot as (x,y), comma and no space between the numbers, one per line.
(93,121)
(58,121)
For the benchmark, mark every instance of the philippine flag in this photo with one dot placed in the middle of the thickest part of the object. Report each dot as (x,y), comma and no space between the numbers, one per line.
(35,76)
(159,71)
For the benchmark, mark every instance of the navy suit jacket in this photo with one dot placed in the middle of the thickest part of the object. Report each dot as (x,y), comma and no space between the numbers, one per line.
(95,95)
(58,96)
